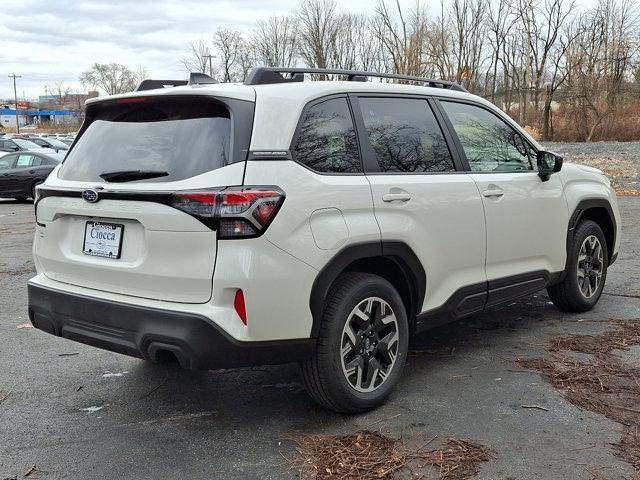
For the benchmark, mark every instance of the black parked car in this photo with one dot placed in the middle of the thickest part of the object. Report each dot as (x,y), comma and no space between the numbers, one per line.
(16,145)
(21,172)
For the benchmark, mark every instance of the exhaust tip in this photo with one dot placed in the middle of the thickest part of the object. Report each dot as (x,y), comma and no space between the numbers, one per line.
(167,354)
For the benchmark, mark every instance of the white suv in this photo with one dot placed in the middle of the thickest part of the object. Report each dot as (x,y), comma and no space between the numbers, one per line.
(321,222)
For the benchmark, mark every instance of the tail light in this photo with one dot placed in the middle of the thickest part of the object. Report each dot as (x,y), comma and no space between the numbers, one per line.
(235,212)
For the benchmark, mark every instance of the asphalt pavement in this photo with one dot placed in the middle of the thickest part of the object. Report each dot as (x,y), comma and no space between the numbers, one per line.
(76,412)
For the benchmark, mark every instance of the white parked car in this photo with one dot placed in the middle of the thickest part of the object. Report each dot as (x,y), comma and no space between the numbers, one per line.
(320,222)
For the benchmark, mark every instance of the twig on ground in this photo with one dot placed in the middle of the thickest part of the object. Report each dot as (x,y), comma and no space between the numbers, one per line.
(538,407)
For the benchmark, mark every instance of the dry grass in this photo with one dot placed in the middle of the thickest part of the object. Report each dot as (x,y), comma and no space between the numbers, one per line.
(622,126)
(46,128)
(605,384)
(369,455)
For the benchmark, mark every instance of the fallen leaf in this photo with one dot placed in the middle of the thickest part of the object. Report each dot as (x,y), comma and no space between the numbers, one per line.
(24,325)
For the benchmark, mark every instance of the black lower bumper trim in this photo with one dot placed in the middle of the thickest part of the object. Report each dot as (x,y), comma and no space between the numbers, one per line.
(150,333)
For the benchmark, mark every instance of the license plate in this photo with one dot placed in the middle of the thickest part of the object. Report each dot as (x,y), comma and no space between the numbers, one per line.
(103,239)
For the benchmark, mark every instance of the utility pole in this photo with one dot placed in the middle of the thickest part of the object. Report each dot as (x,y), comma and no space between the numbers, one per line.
(15,97)
(210,64)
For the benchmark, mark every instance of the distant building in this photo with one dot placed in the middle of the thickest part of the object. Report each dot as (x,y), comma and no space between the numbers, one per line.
(26,117)
(8,116)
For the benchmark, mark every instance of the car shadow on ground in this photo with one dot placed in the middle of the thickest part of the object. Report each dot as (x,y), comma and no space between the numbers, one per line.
(262,392)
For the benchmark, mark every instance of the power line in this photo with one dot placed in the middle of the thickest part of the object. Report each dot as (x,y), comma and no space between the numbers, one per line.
(15,97)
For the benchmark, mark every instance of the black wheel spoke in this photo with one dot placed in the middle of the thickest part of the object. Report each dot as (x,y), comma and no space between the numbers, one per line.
(369,344)
(590,266)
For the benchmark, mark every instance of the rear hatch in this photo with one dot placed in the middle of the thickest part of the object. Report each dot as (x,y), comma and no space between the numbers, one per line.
(107,218)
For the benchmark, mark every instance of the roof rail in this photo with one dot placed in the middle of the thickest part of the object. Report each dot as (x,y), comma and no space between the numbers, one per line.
(195,78)
(267,75)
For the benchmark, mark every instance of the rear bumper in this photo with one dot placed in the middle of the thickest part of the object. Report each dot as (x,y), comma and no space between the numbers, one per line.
(150,333)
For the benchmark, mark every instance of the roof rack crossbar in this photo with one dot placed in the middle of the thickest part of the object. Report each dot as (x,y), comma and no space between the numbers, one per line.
(195,78)
(150,84)
(267,75)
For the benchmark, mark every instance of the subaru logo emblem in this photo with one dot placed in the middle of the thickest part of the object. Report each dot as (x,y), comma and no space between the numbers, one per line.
(90,196)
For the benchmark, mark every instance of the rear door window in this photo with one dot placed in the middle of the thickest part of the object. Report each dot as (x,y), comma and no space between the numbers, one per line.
(405,135)
(327,140)
(183,137)
(7,162)
(25,161)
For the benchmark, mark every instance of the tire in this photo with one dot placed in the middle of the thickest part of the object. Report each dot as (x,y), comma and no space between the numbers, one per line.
(584,277)
(350,377)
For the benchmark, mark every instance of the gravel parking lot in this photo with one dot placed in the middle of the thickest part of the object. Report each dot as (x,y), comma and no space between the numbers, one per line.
(619,160)
(71,411)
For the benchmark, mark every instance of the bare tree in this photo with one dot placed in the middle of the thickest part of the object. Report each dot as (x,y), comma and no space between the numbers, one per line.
(541,22)
(557,74)
(500,22)
(439,42)
(521,54)
(198,58)
(59,90)
(403,36)
(468,39)
(599,59)
(231,53)
(112,78)
(273,41)
(141,73)
(318,27)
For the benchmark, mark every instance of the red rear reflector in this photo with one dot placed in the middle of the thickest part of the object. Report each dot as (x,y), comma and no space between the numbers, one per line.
(238,304)
(131,100)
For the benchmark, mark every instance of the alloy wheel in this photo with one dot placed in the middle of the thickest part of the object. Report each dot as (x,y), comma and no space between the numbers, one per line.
(590,266)
(369,344)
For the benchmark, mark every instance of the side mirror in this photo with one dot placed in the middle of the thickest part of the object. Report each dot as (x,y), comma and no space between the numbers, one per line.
(548,163)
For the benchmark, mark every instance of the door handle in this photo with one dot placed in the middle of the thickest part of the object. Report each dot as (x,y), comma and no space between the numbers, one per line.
(493,193)
(32,171)
(396,197)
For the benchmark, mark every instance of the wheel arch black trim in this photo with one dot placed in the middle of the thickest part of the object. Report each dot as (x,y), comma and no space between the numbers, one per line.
(578,214)
(398,252)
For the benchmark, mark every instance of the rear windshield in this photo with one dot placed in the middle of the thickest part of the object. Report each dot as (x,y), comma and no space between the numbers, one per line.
(183,137)
(26,144)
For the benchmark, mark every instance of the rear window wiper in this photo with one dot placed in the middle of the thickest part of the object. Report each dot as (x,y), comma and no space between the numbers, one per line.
(131,175)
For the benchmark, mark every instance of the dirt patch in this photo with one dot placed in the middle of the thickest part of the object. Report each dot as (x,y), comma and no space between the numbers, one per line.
(368,455)
(17,228)
(629,192)
(605,383)
(27,268)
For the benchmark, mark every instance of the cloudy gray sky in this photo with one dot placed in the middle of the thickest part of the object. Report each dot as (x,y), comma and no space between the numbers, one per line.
(47,41)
